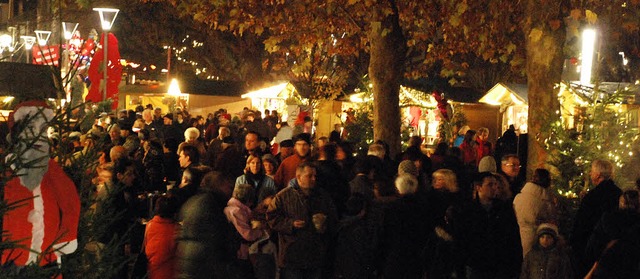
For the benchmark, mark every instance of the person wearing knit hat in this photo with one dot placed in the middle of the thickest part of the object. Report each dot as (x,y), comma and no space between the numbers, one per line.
(306,137)
(407,167)
(487,163)
(547,258)
(285,150)
(286,143)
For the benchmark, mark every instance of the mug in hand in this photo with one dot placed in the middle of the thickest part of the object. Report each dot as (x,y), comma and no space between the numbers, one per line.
(319,222)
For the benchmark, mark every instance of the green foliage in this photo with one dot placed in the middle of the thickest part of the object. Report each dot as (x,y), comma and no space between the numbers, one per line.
(602,129)
(92,259)
(360,130)
(446,129)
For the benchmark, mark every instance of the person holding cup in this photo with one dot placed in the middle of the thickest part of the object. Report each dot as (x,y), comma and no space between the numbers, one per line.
(304,217)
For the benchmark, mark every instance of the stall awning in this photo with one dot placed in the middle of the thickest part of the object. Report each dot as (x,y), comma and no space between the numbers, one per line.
(506,94)
(279,91)
(409,97)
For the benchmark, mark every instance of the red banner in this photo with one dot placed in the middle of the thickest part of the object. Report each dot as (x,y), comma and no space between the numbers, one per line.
(46,55)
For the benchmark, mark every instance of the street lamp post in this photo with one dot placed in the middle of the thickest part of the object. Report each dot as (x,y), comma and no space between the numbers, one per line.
(68,29)
(107,17)
(28,44)
(6,41)
(42,37)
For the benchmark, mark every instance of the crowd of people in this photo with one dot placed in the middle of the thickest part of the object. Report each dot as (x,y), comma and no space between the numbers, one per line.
(251,197)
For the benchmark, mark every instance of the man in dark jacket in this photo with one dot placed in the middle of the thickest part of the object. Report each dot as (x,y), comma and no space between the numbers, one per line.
(604,197)
(304,217)
(405,227)
(169,130)
(488,233)
(204,246)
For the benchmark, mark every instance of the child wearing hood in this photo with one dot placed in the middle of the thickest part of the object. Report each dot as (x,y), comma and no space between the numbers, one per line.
(547,258)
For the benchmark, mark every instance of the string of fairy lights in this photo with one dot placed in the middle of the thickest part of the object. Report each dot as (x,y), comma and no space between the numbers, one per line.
(602,131)
(180,53)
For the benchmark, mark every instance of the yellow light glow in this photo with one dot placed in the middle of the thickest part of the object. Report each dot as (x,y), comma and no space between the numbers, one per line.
(174,88)
(357,98)
(588,46)
(267,93)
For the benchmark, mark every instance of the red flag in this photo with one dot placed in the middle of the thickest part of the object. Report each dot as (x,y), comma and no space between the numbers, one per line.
(114,72)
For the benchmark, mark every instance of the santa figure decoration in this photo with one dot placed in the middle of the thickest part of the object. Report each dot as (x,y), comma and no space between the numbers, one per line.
(45,226)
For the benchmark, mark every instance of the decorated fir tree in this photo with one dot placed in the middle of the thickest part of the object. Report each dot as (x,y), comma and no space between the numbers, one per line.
(593,124)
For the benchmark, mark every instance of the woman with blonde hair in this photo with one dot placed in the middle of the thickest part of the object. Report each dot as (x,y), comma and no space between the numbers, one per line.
(443,198)
(445,179)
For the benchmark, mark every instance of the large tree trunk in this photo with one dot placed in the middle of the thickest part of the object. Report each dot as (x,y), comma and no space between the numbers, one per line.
(545,36)
(386,69)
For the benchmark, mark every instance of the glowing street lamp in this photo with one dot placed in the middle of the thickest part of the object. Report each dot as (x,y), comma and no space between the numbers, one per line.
(5,41)
(107,18)
(588,47)
(68,29)
(42,37)
(29,41)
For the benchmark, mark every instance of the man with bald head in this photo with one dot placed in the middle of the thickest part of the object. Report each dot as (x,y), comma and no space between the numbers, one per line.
(117,152)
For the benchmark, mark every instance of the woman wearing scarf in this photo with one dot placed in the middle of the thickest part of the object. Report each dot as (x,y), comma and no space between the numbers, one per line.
(254,175)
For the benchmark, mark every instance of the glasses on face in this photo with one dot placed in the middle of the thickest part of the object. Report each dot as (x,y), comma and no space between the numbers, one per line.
(513,166)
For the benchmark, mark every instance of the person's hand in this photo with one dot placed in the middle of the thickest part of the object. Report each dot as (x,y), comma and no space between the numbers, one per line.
(257,225)
(298,224)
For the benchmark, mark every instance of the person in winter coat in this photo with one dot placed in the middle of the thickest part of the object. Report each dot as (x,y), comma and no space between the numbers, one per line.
(356,242)
(405,227)
(330,176)
(238,213)
(440,261)
(488,234)
(621,259)
(203,242)
(159,242)
(288,168)
(469,149)
(304,217)
(533,205)
(614,225)
(263,185)
(604,197)
(547,259)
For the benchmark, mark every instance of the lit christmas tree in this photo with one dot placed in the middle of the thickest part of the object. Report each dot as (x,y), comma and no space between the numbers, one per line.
(593,124)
